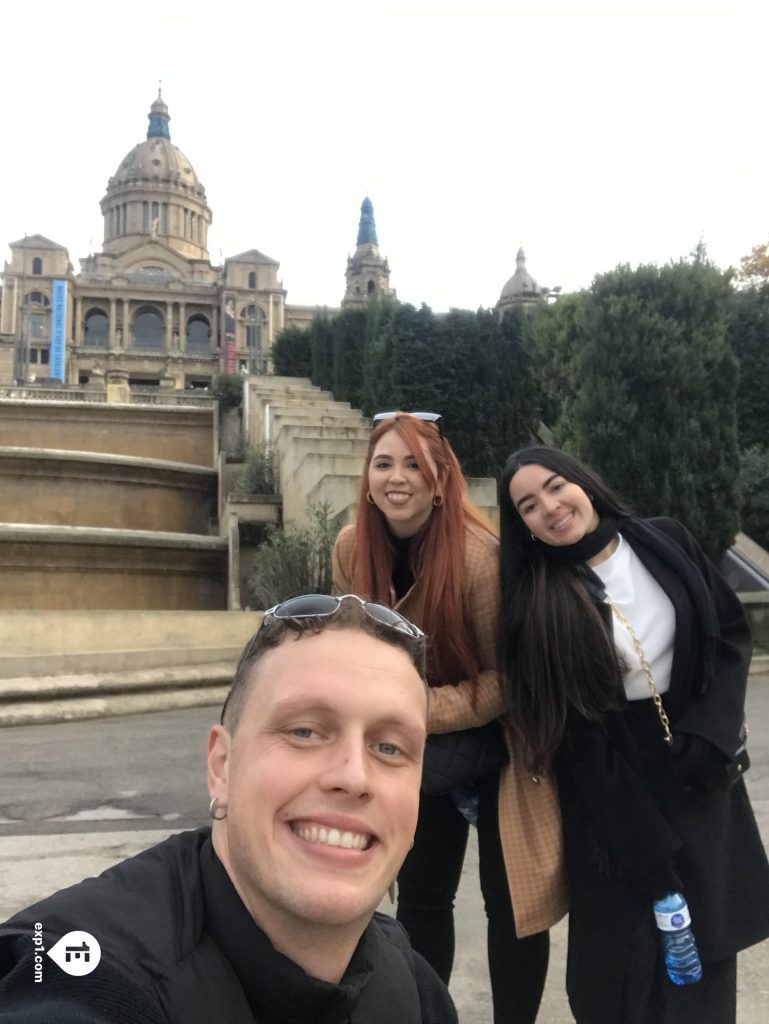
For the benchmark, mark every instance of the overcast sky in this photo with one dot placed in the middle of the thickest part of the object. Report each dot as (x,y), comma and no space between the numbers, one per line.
(591,134)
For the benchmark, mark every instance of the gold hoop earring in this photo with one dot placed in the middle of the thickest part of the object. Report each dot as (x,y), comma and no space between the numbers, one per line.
(369,499)
(437,501)
(217,813)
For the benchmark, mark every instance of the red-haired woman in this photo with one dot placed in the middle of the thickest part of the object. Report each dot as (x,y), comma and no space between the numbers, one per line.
(419,545)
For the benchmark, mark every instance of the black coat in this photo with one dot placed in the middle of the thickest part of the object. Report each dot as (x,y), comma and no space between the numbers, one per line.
(179,947)
(634,829)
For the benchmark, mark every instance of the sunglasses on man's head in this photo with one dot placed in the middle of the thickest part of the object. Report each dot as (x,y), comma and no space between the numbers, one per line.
(320,606)
(428,417)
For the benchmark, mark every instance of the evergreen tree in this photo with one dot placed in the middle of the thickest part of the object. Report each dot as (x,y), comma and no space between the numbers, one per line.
(754,482)
(377,356)
(749,337)
(652,397)
(322,352)
(348,339)
(291,354)
(552,337)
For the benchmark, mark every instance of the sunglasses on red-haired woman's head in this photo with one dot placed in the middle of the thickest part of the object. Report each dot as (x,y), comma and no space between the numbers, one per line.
(428,417)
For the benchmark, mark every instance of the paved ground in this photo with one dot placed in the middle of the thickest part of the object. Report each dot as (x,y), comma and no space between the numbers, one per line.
(75,798)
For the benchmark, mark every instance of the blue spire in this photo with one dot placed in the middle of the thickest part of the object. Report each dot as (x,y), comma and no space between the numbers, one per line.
(159,118)
(367,227)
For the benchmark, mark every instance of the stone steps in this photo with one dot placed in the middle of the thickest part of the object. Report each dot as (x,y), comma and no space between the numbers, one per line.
(60,698)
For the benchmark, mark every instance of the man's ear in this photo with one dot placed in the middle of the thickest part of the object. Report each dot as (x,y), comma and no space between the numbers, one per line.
(219,747)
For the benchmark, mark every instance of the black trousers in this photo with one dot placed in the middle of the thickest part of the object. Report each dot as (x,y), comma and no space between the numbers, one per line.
(427,886)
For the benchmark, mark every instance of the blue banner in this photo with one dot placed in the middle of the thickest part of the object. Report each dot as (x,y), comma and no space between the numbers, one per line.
(58,323)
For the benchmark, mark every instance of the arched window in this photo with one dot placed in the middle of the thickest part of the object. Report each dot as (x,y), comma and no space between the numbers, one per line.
(36,299)
(198,336)
(252,279)
(96,329)
(148,331)
(371,288)
(37,265)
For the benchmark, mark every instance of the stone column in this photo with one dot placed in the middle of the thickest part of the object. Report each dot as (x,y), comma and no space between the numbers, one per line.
(78,332)
(118,390)
(169,326)
(182,326)
(269,321)
(112,324)
(126,339)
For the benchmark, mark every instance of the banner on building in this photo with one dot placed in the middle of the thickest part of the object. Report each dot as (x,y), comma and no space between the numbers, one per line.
(228,329)
(58,325)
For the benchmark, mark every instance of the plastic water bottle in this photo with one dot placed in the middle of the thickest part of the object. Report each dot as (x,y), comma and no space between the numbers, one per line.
(678,946)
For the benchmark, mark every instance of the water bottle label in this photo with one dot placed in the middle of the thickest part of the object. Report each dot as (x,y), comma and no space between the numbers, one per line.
(673,922)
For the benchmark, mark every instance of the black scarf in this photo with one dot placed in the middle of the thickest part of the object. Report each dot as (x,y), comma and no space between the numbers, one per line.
(590,545)
(641,533)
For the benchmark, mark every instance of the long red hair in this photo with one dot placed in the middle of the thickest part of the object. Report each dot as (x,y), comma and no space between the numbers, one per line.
(437,555)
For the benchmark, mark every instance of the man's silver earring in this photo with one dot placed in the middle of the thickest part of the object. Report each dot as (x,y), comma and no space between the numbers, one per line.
(532,535)
(217,813)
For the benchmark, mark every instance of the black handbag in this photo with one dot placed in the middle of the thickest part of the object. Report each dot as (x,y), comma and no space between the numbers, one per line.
(455,758)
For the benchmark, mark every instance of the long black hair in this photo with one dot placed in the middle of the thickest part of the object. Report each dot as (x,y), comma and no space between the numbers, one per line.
(555,652)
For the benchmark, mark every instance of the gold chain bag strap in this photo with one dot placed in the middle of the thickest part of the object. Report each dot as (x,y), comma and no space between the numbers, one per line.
(736,768)
(656,698)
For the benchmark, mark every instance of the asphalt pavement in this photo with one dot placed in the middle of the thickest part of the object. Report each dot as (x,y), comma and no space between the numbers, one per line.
(77,797)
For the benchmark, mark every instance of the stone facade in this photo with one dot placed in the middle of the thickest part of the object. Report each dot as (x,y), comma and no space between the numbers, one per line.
(150,304)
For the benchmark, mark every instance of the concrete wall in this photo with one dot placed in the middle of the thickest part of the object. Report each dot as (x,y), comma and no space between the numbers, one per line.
(156,432)
(78,489)
(66,632)
(80,568)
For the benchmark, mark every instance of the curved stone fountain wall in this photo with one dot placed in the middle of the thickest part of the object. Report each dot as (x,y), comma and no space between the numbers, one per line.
(109,507)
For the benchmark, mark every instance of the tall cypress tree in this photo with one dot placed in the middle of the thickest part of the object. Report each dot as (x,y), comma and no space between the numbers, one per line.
(749,337)
(654,406)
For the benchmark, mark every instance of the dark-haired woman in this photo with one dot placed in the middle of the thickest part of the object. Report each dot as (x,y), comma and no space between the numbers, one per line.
(600,610)
(421,547)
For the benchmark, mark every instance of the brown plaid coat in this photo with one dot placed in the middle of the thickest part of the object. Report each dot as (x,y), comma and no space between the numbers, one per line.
(529,814)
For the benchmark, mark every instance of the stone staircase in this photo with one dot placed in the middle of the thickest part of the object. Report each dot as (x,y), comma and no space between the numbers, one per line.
(64,664)
(319,446)
(70,665)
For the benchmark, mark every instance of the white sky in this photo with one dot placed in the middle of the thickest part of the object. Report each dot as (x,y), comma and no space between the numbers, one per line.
(591,133)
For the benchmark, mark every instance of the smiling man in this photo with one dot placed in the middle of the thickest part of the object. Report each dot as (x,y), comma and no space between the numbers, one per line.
(270,915)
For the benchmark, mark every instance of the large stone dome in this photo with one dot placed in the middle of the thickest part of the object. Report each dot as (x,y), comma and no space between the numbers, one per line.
(156,162)
(155,194)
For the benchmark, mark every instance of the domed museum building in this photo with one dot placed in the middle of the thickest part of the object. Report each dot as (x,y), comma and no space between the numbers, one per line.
(149,304)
